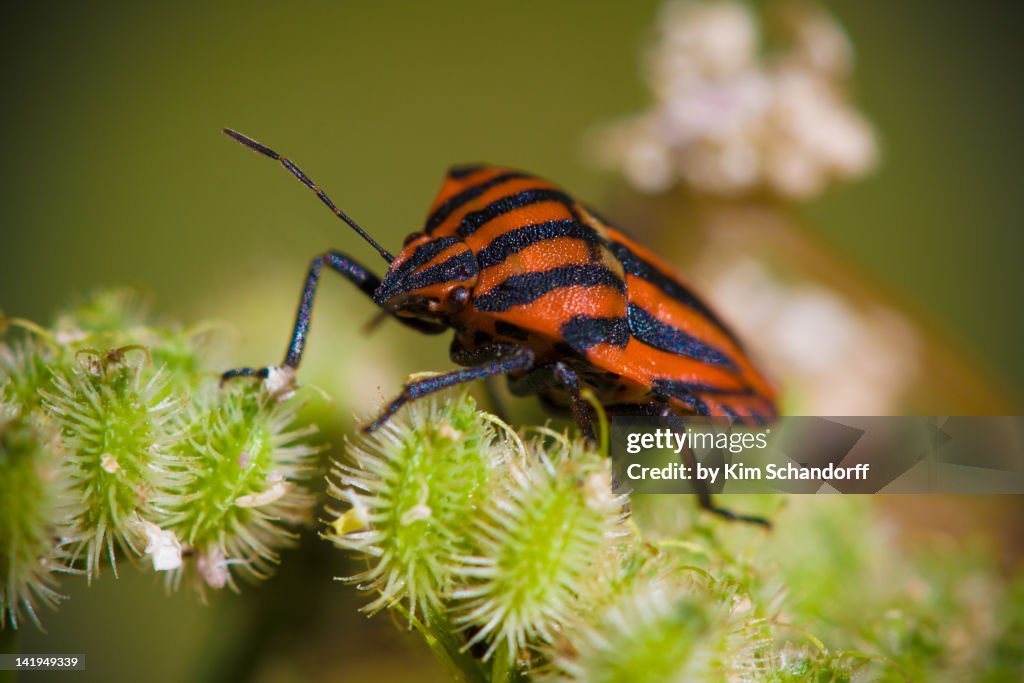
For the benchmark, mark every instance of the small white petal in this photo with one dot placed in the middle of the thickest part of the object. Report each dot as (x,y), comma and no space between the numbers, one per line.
(253,500)
(213,568)
(162,546)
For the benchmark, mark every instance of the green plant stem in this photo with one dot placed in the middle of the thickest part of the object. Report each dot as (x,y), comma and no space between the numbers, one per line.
(446,644)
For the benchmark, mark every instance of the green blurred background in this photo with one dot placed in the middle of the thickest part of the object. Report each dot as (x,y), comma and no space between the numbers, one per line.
(116,173)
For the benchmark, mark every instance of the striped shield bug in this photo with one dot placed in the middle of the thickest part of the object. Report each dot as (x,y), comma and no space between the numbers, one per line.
(537,287)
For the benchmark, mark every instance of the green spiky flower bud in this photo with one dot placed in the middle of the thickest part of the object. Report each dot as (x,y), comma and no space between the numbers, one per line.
(665,629)
(544,540)
(32,509)
(413,489)
(25,372)
(245,467)
(119,431)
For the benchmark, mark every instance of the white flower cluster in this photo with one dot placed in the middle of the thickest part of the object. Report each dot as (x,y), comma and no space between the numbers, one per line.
(728,120)
(838,359)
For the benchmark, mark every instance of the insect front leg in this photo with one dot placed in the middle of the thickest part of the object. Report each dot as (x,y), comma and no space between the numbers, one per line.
(496,359)
(352,271)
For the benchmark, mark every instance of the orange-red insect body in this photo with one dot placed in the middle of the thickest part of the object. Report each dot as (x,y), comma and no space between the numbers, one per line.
(539,288)
(544,272)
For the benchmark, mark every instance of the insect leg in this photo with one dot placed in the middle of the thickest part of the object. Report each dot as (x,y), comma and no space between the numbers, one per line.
(560,375)
(582,413)
(504,359)
(352,271)
(700,486)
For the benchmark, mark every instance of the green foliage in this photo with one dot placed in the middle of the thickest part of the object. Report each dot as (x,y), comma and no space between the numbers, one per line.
(116,441)
(513,560)
(119,435)
(32,514)
(412,490)
(532,568)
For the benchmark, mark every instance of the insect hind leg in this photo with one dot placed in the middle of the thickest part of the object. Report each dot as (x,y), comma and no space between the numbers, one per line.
(700,486)
(705,501)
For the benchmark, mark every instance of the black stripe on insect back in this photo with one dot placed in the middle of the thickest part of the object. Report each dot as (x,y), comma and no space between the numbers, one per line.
(425,252)
(396,282)
(653,332)
(472,221)
(462,266)
(681,392)
(583,332)
(674,386)
(528,287)
(464,170)
(514,241)
(687,393)
(638,267)
(454,202)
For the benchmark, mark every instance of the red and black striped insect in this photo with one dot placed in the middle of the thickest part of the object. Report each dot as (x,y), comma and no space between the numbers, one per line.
(537,287)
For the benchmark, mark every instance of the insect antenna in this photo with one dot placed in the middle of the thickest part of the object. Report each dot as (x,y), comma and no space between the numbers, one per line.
(304,179)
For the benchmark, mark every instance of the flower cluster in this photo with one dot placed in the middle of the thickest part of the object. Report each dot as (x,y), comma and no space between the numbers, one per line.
(517,562)
(34,530)
(665,629)
(468,526)
(729,121)
(116,441)
(517,558)
(836,356)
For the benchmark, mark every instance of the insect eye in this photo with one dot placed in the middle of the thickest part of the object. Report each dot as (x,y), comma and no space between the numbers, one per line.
(412,237)
(458,297)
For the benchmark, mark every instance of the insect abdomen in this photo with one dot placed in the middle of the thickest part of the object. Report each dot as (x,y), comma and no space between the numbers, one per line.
(556,278)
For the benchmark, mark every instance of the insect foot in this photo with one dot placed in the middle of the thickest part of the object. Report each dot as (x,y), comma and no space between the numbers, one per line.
(279,382)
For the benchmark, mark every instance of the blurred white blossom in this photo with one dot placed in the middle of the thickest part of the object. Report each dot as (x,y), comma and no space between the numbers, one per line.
(729,118)
(837,358)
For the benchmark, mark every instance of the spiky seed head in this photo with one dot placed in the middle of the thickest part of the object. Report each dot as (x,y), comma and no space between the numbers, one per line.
(115,318)
(247,465)
(792,664)
(412,489)
(662,629)
(105,318)
(119,431)
(547,537)
(33,501)
(25,372)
